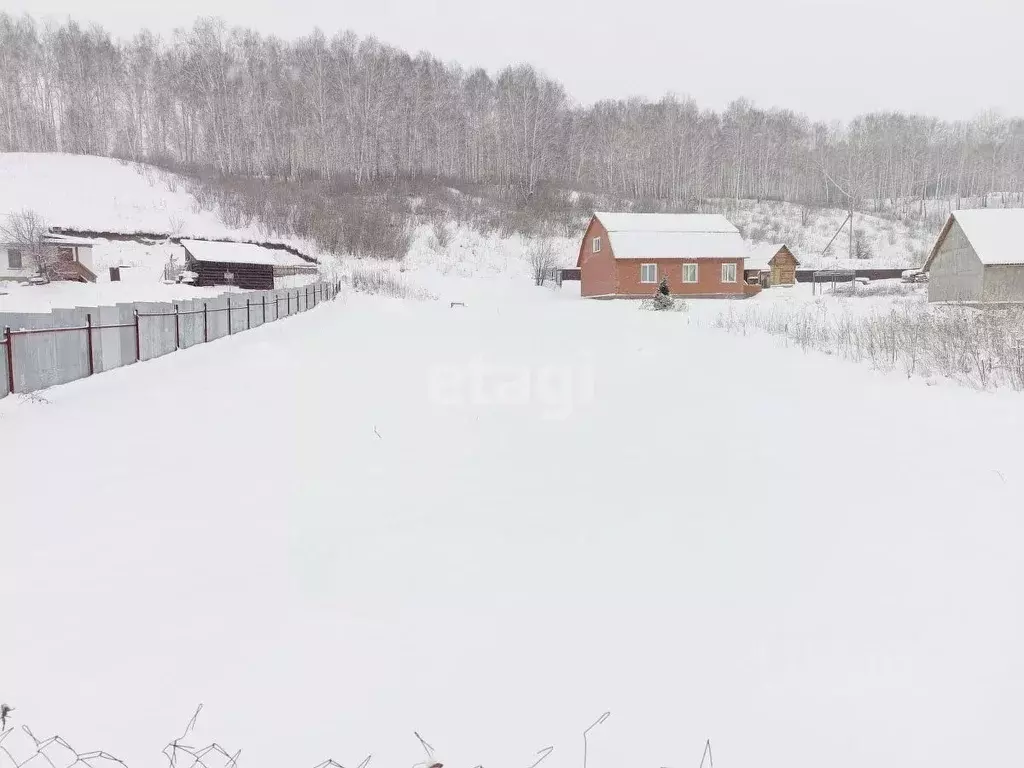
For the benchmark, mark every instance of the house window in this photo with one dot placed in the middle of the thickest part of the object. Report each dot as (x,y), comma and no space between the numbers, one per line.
(728,273)
(648,273)
(689,273)
(14,259)
(595,247)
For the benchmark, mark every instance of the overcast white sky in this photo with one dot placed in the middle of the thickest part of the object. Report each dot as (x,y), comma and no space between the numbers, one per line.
(826,58)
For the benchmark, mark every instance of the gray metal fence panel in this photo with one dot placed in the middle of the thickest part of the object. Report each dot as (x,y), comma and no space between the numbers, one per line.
(107,341)
(190,318)
(45,359)
(156,334)
(126,335)
(218,317)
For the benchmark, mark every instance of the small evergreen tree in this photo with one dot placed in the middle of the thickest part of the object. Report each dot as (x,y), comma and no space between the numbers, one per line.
(663,299)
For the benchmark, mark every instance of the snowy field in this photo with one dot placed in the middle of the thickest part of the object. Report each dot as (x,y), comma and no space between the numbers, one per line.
(491,524)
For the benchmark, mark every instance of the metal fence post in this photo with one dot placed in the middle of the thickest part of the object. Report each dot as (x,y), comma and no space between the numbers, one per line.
(138,340)
(229,315)
(9,343)
(262,322)
(289,295)
(248,317)
(88,341)
(177,327)
(277,307)
(206,324)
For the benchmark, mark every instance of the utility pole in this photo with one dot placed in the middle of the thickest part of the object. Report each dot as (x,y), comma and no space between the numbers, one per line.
(849,216)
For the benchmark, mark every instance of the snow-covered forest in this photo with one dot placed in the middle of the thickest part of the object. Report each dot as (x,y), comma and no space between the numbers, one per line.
(248,104)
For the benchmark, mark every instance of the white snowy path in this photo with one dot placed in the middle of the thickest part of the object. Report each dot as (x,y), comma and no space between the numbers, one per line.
(697,546)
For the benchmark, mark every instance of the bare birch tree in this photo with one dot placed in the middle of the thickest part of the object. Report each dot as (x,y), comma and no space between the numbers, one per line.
(347,109)
(27,231)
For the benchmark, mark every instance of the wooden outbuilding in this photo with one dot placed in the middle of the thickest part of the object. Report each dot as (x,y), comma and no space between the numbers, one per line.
(245,265)
(772,264)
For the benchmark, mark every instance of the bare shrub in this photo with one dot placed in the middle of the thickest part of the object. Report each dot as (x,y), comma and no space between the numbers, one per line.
(442,237)
(881,288)
(979,348)
(543,255)
(370,229)
(862,248)
(381,281)
(28,231)
(757,232)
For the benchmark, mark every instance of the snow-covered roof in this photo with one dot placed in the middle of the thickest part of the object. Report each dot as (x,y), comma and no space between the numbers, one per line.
(242,253)
(55,237)
(995,234)
(666,222)
(760,256)
(672,236)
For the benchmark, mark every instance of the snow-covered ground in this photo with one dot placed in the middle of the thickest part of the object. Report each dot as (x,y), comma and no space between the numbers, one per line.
(800,296)
(492,523)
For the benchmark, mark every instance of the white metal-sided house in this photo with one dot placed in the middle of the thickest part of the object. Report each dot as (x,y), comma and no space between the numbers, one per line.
(978,258)
(74,259)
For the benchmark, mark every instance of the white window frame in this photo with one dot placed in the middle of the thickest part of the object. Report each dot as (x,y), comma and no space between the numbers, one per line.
(643,269)
(595,245)
(726,267)
(696,273)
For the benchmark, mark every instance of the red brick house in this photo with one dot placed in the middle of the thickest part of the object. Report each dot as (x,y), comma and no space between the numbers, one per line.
(625,255)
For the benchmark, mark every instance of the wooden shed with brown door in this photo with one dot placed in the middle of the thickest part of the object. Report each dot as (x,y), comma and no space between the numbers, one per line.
(250,266)
(772,265)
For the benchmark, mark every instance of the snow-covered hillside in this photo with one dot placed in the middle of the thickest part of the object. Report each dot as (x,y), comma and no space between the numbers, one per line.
(492,523)
(108,195)
(101,194)
(886,241)
(468,253)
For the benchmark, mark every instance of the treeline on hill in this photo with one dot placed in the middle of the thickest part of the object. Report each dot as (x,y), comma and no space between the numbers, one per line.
(372,219)
(352,118)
